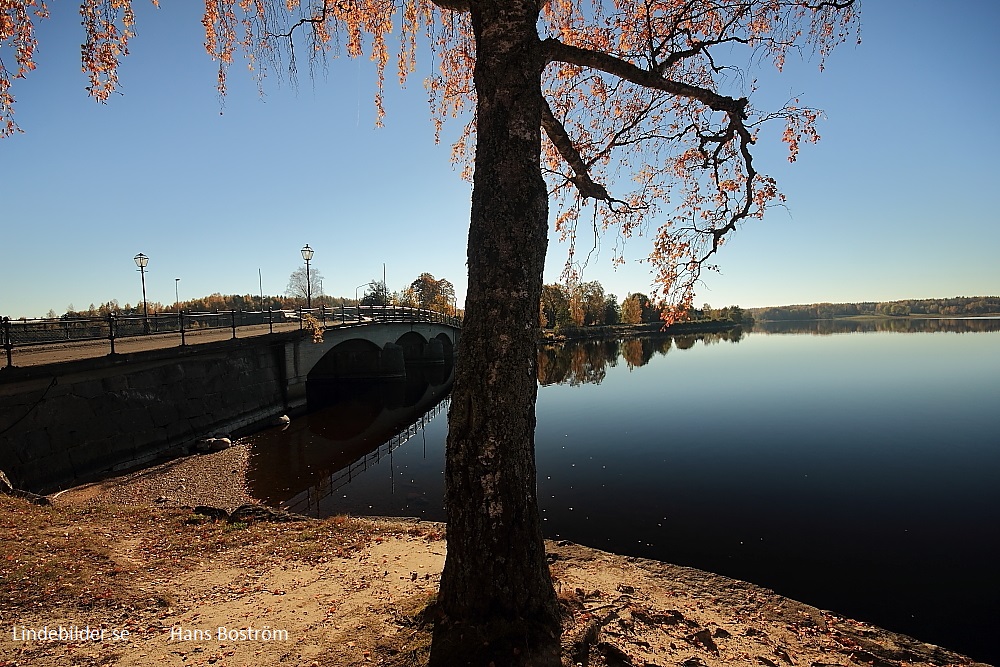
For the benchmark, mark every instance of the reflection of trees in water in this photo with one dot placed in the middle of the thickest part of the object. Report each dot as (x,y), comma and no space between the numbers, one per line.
(586,361)
(895,324)
(638,351)
(576,362)
(686,342)
(635,353)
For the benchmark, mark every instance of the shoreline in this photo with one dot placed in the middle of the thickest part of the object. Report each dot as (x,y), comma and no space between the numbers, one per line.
(550,336)
(377,572)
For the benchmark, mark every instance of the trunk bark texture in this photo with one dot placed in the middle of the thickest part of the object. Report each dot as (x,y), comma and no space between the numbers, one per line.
(496,594)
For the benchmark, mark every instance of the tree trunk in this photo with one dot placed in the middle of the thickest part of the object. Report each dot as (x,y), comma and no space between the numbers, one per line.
(496,594)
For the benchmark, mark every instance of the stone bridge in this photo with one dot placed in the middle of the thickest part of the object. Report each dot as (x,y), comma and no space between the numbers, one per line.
(63,423)
(378,350)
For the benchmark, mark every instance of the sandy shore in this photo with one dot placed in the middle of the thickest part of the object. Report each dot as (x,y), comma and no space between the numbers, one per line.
(346,592)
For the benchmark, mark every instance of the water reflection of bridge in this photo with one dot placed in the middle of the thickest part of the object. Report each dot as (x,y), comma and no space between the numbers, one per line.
(308,501)
(353,425)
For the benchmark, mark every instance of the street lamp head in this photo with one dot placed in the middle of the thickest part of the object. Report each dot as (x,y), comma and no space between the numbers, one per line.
(141,260)
(307,253)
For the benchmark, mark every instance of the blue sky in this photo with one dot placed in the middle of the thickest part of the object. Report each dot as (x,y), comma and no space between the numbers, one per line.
(896,201)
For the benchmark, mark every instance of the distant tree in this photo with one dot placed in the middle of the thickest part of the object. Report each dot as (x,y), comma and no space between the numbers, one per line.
(577,313)
(408,297)
(637,308)
(433,293)
(554,306)
(297,283)
(736,314)
(612,311)
(631,310)
(593,300)
(376,294)
(107,308)
(899,310)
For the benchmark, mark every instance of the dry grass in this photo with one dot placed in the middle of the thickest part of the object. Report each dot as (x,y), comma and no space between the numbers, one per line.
(92,556)
(131,568)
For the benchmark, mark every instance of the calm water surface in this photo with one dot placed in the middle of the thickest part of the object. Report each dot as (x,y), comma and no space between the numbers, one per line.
(856,471)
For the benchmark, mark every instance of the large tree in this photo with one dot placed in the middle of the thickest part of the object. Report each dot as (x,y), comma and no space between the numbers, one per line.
(433,293)
(565,95)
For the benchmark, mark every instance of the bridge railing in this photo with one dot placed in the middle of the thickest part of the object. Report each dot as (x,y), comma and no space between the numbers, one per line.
(108,329)
(402,314)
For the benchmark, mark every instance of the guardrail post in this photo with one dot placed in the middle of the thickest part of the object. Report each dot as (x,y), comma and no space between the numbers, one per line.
(180,324)
(234,322)
(270,320)
(300,319)
(8,344)
(112,325)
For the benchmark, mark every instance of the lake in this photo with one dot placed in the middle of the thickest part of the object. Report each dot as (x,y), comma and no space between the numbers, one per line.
(852,465)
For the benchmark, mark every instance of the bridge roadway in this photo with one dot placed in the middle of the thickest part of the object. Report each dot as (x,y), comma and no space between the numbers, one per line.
(21,352)
(90,349)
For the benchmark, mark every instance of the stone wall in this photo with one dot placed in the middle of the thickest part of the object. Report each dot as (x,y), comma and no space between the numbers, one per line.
(67,423)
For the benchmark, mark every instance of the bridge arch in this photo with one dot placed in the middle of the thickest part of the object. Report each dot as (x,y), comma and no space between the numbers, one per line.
(370,350)
(355,357)
(413,344)
(447,344)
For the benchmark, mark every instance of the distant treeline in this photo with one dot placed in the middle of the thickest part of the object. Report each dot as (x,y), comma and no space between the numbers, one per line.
(841,325)
(956,306)
(211,303)
(588,305)
(424,292)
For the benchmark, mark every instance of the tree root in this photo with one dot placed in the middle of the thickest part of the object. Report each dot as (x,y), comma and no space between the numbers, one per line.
(8,489)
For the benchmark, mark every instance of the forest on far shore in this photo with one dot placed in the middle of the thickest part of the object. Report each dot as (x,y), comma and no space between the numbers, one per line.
(959,306)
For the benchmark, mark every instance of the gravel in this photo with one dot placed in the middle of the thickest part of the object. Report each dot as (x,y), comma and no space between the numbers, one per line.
(217,479)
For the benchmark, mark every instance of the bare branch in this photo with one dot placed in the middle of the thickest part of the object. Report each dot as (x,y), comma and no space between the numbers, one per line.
(453,5)
(560,139)
(556,51)
(833,4)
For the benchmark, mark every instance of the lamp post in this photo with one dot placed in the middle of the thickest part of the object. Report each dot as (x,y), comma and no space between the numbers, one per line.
(177,301)
(141,261)
(356,292)
(307,254)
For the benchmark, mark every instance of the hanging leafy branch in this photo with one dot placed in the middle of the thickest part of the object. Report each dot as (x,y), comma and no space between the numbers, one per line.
(634,92)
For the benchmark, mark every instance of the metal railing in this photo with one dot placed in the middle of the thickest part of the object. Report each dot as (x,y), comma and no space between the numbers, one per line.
(35,333)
